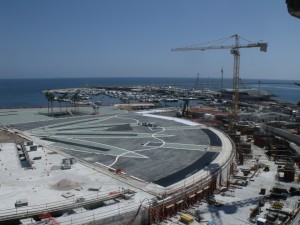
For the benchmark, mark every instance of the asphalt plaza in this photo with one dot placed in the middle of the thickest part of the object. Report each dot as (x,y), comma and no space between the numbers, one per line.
(152,149)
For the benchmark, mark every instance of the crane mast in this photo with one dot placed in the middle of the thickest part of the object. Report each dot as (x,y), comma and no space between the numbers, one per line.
(235,81)
(222,81)
(234,49)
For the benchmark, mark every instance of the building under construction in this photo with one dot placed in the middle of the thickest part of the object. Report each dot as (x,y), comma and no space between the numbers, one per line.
(150,167)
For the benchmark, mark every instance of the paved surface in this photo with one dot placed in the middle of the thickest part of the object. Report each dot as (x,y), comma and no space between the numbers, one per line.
(163,153)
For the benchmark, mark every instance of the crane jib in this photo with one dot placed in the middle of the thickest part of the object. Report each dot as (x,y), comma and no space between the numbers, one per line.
(261,45)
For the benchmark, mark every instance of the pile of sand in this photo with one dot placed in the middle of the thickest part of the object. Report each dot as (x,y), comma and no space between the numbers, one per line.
(7,137)
(66,184)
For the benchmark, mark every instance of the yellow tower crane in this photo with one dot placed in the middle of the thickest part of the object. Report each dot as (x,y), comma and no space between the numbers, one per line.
(236,65)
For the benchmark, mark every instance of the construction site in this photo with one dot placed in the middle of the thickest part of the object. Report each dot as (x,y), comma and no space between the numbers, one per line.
(119,166)
(123,161)
(142,164)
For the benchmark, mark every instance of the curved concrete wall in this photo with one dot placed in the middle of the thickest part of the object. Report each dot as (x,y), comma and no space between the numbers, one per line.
(283,134)
(193,190)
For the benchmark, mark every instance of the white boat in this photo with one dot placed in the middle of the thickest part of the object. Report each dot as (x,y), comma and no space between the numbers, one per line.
(98,102)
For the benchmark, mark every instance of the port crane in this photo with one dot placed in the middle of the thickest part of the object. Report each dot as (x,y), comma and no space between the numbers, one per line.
(235,50)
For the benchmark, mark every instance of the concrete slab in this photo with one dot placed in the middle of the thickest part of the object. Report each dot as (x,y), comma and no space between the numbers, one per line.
(105,142)
(168,150)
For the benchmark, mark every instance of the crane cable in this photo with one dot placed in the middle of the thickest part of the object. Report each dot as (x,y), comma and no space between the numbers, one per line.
(218,41)
(221,40)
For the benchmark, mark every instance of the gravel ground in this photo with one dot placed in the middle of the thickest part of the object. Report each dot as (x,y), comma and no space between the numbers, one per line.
(6,137)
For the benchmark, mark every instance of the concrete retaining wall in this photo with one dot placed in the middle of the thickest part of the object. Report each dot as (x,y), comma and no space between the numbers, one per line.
(122,218)
(282,133)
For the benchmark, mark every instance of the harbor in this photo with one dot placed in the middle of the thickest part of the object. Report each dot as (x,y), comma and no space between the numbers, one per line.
(161,96)
(134,94)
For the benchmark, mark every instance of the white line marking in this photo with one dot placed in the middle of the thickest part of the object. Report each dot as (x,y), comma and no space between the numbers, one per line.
(153,135)
(110,146)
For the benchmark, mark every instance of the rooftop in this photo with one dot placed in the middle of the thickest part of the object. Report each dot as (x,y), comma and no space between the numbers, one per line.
(154,153)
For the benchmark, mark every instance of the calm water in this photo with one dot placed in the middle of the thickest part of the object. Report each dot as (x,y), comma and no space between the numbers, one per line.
(16,93)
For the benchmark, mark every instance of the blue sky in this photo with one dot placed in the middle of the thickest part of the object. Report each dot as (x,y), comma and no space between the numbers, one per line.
(97,38)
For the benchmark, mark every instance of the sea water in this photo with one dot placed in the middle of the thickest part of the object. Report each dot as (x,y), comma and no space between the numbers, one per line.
(24,93)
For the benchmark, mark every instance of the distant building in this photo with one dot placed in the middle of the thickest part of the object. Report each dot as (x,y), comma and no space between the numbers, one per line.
(249,94)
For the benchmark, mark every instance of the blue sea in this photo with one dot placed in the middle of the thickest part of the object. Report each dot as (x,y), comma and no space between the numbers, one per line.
(27,93)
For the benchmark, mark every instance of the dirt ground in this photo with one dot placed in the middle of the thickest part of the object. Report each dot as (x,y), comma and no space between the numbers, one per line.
(7,137)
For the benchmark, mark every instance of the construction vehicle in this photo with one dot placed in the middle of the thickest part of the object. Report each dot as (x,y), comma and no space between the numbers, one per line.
(186,219)
(234,49)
